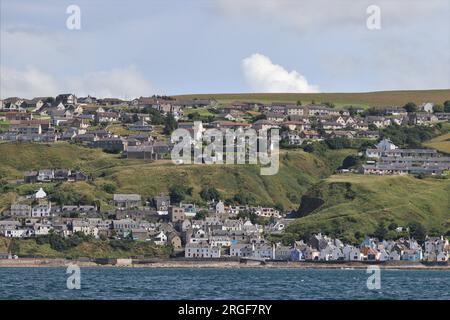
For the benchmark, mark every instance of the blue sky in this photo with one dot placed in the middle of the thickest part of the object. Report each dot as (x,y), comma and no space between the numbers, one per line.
(133,48)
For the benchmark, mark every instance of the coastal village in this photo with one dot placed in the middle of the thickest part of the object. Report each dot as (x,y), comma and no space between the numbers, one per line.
(222,234)
(137,130)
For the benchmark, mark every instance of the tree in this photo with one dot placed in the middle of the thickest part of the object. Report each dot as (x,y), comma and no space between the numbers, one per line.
(299,103)
(170,124)
(201,215)
(350,161)
(244,199)
(438,108)
(447,106)
(209,193)
(178,193)
(109,188)
(380,231)
(279,206)
(417,231)
(410,107)
(393,226)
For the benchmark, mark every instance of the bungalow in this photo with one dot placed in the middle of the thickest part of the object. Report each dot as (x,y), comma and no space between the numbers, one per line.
(106,117)
(139,234)
(310,134)
(127,201)
(140,125)
(109,144)
(67,98)
(377,121)
(293,138)
(294,125)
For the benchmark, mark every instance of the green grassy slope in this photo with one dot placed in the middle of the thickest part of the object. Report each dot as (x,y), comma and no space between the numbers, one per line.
(358,203)
(381,98)
(441,143)
(298,171)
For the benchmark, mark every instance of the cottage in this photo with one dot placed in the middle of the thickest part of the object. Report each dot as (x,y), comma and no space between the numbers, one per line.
(20,210)
(41,210)
(127,201)
(160,239)
(174,240)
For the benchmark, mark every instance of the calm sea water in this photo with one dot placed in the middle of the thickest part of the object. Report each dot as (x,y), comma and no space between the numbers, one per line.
(128,283)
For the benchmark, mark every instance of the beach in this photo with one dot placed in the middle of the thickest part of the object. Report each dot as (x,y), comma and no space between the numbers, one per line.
(186,263)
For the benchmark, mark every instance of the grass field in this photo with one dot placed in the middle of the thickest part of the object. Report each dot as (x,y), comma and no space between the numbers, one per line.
(203,112)
(359,202)
(441,143)
(364,99)
(298,171)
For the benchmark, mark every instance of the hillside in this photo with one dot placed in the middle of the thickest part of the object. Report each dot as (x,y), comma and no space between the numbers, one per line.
(298,171)
(441,143)
(345,204)
(363,99)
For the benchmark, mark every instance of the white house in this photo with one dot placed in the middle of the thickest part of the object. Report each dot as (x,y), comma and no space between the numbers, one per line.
(220,207)
(426,107)
(40,194)
(394,256)
(384,255)
(160,239)
(356,255)
(201,251)
(41,210)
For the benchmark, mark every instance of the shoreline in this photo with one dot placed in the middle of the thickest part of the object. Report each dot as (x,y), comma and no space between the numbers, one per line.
(231,264)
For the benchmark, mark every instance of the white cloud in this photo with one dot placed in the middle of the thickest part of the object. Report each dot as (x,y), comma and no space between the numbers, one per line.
(30,82)
(264,76)
(125,83)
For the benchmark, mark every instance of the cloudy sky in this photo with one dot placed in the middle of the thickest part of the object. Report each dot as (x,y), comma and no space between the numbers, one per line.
(132,48)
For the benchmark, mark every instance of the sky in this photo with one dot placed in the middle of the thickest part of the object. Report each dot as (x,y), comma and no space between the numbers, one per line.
(134,48)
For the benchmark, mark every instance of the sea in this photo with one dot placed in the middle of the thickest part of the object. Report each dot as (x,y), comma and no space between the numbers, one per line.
(229,284)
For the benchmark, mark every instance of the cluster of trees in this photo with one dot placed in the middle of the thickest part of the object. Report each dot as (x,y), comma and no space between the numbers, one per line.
(195,116)
(411,137)
(60,243)
(412,107)
(64,196)
(416,231)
